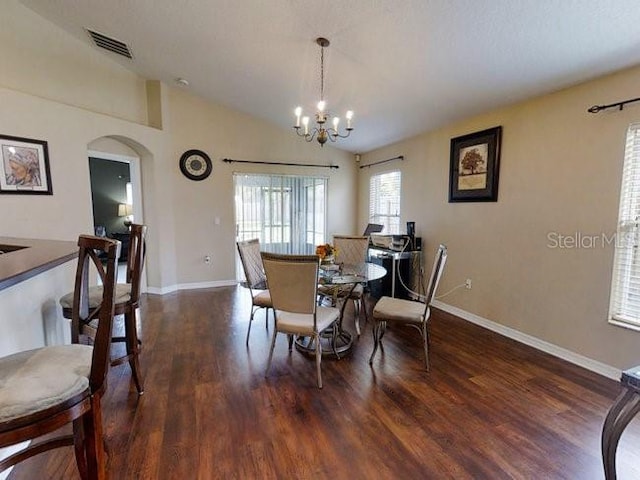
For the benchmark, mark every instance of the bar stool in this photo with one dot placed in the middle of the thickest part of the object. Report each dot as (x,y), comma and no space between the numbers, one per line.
(127,296)
(626,407)
(47,388)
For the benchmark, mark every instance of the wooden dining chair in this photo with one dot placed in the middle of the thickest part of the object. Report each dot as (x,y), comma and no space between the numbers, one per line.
(44,389)
(398,311)
(256,280)
(127,301)
(293,283)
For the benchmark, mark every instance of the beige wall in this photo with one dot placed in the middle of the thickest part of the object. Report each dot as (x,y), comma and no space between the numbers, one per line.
(39,58)
(224,133)
(560,172)
(180,213)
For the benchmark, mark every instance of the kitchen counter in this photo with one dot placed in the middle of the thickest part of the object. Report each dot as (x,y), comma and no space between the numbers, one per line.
(41,255)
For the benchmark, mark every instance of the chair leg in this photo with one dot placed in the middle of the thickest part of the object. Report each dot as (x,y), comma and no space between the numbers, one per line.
(357,307)
(425,342)
(79,447)
(376,339)
(94,447)
(627,405)
(318,359)
(133,349)
(253,310)
(273,345)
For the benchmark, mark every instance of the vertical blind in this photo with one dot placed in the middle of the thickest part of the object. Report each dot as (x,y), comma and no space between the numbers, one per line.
(384,201)
(286,213)
(625,284)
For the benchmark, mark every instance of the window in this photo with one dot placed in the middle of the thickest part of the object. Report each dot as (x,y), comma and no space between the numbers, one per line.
(384,201)
(286,213)
(624,308)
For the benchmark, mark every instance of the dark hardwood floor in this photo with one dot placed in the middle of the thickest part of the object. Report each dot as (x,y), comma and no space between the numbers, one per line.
(489,409)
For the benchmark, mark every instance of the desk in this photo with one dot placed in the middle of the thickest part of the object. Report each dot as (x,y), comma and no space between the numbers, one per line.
(620,414)
(345,275)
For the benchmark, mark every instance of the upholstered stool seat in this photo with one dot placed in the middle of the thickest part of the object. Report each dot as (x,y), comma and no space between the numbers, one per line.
(33,381)
(122,295)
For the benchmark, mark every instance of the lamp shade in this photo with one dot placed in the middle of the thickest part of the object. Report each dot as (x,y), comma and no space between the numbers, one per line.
(125,209)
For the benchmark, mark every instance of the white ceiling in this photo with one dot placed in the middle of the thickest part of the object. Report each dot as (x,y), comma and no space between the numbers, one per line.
(403,66)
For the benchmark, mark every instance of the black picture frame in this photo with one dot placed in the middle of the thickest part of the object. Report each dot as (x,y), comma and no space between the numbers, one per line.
(475,166)
(24,166)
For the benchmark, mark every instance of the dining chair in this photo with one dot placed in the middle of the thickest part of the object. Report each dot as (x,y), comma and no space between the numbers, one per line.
(415,314)
(350,250)
(256,280)
(42,390)
(127,301)
(293,283)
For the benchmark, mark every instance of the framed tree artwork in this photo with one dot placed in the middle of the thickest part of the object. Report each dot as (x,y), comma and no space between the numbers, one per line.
(474,166)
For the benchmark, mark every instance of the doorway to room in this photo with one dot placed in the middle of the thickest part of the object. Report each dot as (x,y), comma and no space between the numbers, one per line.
(112,198)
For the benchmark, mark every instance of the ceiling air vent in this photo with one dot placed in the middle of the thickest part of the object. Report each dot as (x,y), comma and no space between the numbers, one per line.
(111,44)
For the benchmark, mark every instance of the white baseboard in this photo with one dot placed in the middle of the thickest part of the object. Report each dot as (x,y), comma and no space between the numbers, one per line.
(575,358)
(191,286)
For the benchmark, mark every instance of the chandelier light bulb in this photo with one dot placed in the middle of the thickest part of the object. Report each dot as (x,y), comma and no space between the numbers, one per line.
(321,105)
(298,112)
(349,116)
(305,122)
(336,120)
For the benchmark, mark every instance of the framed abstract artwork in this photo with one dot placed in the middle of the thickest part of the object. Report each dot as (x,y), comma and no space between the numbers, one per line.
(474,166)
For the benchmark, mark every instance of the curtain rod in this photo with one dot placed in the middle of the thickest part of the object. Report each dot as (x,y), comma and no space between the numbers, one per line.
(597,108)
(230,160)
(399,157)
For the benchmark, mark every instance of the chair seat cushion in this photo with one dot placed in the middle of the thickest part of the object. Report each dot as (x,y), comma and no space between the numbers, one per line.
(302,323)
(38,379)
(397,309)
(122,294)
(262,299)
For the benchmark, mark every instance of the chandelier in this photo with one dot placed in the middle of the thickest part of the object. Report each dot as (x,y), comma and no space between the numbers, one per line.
(321,132)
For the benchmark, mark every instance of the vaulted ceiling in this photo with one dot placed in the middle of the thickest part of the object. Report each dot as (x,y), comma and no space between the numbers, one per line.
(403,66)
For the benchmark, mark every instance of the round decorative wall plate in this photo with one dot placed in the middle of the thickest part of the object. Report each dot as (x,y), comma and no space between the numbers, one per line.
(195,164)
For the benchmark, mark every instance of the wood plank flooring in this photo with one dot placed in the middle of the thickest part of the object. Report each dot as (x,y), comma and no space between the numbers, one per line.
(489,409)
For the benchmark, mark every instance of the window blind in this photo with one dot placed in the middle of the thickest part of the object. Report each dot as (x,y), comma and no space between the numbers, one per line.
(384,201)
(286,213)
(624,306)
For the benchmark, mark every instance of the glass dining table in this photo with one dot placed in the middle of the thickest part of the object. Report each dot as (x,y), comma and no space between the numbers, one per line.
(339,281)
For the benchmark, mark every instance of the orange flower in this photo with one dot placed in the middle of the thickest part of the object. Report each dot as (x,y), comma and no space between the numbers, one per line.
(325,250)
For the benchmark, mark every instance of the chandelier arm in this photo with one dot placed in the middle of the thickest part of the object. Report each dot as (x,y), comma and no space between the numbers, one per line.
(334,135)
(307,136)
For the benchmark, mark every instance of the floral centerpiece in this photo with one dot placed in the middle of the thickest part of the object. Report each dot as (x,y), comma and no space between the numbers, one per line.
(326,252)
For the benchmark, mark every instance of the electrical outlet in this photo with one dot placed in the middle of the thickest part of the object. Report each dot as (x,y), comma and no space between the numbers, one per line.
(467,284)
(207,259)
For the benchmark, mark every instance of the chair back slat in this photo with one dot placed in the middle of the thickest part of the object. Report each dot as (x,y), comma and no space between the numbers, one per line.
(293,281)
(87,258)
(436,274)
(249,251)
(351,250)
